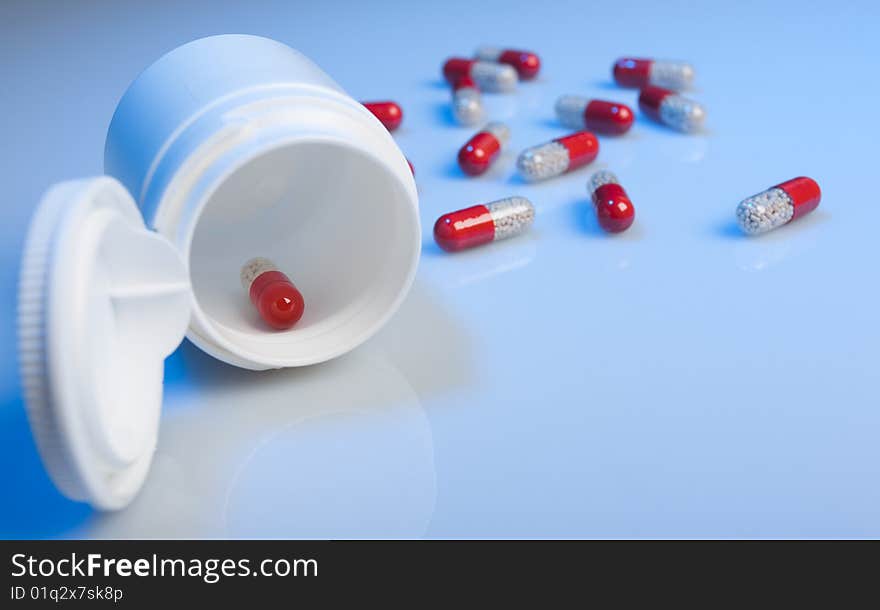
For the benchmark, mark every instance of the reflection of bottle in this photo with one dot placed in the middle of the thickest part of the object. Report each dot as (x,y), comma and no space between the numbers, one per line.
(320,452)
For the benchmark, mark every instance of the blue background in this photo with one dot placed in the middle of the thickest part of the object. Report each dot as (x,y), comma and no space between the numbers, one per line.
(678,380)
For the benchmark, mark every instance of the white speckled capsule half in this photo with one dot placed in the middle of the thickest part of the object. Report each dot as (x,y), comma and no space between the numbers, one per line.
(570,110)
(600,179)
(467,105)
(511,216)
(500,130)
(671,74)
(542,162)
(254,268)
(488,53)
(764,212)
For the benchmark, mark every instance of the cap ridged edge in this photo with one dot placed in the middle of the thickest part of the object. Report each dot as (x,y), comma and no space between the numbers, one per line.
(32,349)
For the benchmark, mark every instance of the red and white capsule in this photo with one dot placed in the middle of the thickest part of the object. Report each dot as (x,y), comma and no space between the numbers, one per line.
(277,300)
(778,205)
(480,152)
(489,76)
(558,156)
(579,112)
(481,224)
(526,63)
(389,113)
(672,109)
(638,73)
(614,209)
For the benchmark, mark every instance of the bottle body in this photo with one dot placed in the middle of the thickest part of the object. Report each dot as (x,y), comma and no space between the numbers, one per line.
(238,146)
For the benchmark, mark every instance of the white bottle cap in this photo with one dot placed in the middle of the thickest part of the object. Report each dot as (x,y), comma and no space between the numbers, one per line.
(102,302)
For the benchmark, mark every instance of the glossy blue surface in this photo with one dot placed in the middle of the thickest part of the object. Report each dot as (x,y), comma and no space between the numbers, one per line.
(678,380)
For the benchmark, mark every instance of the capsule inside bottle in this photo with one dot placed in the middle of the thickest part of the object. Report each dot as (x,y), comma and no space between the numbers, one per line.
(276,299)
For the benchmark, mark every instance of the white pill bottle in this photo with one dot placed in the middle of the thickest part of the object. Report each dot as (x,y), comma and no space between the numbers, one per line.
(225,149)
(238,146)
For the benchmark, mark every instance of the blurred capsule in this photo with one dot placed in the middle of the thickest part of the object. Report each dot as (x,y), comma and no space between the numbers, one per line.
(478,153)
(467,103)
(596,115)
(488,76)
(638,73)
(672,109)
(526,63)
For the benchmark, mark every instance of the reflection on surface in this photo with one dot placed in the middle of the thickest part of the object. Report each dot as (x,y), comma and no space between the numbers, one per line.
(333,450)
(757,253)
(483,263)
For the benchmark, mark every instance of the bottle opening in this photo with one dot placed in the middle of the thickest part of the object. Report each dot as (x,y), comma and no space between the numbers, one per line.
(334,219)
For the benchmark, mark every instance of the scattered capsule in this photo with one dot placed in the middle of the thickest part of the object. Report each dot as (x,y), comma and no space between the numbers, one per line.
(389,113)
(480,152)
(672,109)
(614,209)
(481,224)
(579,112)
(488,76)
(558,156)
(778,205)
(277,300)
(638,73)
(526,63)
(467,103)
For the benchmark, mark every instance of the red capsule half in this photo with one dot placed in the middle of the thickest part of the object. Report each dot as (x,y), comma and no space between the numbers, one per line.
(805,195)
(478,153)
(583,148)
(526,63)
(389,113)
(464,229)
(632,72)
(464,82)
(614,209)
(277,300)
